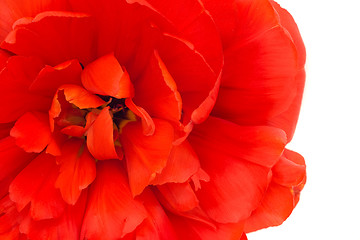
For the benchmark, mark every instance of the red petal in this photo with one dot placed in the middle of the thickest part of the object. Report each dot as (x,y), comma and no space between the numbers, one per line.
(13,10)
(182,164)
(67,226)
(237,182)
(146,121)
(157,224)
(54,36)
(111,210)
(189,229)
(100,138)
(32,131)
(51,78)
(5,129)
(77,170)
(180,196)
(196,81)
(164,101)
(106,77)
(16,78)
(13,158)
(9,219)
(146,155)
(35,185)
(4,56)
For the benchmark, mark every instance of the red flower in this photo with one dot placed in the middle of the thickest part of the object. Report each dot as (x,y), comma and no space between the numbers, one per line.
(147,119)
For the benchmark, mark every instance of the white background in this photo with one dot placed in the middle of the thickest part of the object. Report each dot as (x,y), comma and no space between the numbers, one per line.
(328,132)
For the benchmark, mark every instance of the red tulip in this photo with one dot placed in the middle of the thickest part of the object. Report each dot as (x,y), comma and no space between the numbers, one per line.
(154,119)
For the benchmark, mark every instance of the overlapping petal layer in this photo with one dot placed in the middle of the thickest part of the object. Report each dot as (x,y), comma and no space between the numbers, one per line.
(147,119)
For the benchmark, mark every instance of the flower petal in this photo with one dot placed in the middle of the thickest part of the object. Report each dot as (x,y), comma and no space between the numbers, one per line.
(146,120)
(14,84)
(100,137)
(67,226)
(77,170)
(32,131)
(182,164)
(106,77)
(54,36)
(157,225)
(226,197)
(146,155)
(35,185)
(111,210)
(162,101)
(51,78)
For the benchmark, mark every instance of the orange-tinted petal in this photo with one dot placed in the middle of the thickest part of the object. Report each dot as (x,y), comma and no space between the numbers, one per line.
(146,155)
(190,229)
(51,78)
(100,137)
(237,182)
(196,81)
(111,211)
(67,226)
(15,80)
(146,120)
(32,131)
(106,77)
(182,164)
(180,196)
(54,36)
(162,101)
(157,224)
(36,185)
(77,170)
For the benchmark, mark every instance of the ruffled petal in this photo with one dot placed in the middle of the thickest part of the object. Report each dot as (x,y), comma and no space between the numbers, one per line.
(51,78)
(14,92)
(163,101)
(181,165)
(282,195)
(146,155)
(77,170)
(157,225)
(54,36)
(226,197)
(100,137)
(13,10)
(67,226)
(36,185)
(147,122)
(111,211)
(106,77)
(32,131)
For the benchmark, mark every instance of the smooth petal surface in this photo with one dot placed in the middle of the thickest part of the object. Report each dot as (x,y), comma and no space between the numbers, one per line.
(100,137)
(182,164)
(111,211)
(51,78)
(14,86)
(32,131)
(147,122)
(163,101)
(106,77)
(12,158)
(226,197)
(54,36)
(146,155)
(77,170)
(36,185)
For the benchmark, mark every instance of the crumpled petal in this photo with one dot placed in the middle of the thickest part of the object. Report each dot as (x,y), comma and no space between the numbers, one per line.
(111,212)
